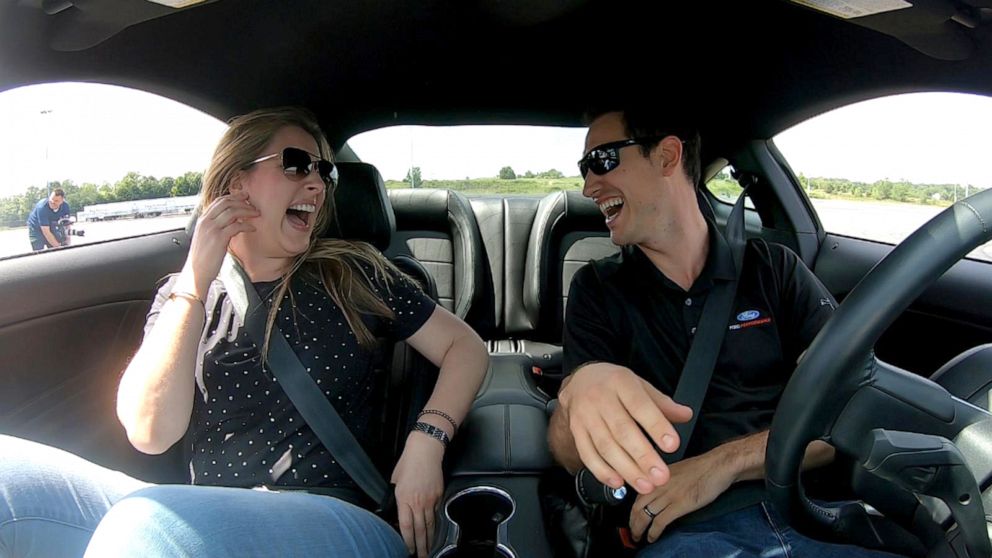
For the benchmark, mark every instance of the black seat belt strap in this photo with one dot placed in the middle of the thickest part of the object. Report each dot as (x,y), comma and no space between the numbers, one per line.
(712,329)
(316,410)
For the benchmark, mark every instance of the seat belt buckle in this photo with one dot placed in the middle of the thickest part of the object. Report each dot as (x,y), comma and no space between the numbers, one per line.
(626,539)
(388,504)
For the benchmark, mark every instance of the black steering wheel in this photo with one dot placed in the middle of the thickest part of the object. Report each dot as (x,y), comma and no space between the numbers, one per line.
(899,426)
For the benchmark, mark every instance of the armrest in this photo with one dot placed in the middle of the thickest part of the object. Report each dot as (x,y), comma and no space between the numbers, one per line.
(502,439)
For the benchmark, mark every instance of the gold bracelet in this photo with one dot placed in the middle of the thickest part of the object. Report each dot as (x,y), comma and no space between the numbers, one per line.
(188,296)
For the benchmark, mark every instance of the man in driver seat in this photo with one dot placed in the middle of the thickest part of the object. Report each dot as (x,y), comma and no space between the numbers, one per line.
(629,325)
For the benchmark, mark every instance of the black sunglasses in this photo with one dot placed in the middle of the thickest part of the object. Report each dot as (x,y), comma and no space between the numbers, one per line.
(606,157)
(298,164)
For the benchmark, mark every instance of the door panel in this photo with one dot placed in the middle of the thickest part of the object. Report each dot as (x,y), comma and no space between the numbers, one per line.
(954,314)
(71,319)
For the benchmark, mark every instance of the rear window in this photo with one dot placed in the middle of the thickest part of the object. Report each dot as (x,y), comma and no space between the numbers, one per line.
(475,160)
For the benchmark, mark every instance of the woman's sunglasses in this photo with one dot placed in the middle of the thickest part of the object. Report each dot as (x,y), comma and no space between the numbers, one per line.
(298,164)
(606,157)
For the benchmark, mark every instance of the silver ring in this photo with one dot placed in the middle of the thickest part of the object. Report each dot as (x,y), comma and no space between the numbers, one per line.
(650,513)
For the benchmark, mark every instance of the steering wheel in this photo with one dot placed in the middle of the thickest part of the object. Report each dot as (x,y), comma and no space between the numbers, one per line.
(898,425)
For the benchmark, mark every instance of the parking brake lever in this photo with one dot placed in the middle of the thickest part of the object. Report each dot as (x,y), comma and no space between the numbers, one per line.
(932,465)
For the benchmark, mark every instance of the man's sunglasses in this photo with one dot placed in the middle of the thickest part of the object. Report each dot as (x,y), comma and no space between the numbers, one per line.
(298,164)
(606,157)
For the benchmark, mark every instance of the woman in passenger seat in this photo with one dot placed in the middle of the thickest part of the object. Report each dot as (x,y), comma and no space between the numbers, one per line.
(262,483)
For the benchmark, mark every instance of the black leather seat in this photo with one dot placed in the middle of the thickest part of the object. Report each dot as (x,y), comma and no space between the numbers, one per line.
(438,228)
(364,213)
(568,232)
(534,247)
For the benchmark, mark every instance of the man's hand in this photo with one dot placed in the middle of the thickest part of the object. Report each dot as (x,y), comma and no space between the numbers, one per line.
(694,483)
(606,407)
(46,231)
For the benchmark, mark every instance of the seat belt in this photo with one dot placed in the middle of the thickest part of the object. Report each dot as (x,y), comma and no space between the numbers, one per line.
(709,336)
(302,391)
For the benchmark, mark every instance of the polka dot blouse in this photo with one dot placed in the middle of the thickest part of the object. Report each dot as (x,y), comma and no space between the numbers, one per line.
(244,431)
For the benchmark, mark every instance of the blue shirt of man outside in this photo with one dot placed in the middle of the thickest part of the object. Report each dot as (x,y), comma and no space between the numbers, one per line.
(46,213)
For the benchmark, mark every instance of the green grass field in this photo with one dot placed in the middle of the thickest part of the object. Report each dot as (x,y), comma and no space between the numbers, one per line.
(478,186)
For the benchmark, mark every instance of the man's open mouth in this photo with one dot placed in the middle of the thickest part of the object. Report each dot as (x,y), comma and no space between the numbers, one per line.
(611,208)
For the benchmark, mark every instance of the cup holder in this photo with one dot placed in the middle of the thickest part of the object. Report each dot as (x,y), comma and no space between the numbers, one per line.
(477,519)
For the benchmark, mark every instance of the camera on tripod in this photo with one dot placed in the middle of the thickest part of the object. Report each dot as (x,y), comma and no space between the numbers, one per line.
(64,229)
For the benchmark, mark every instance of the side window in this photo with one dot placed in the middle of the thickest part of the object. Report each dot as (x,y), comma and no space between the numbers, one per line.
(880,169)
(83,163)
(726,189)
(723,186)
(475,160)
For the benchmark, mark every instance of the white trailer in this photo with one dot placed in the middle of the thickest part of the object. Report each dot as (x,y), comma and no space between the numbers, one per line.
(138,209)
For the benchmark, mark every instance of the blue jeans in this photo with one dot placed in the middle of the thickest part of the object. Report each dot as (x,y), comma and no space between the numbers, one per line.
(53,503)
(756,531)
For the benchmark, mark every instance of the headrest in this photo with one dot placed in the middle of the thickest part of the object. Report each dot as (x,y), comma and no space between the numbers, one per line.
(363,210)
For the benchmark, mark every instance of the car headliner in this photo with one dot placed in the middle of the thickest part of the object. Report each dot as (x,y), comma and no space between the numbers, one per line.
(741,69)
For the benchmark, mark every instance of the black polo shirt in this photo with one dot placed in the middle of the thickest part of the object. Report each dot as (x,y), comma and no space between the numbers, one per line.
(623,310)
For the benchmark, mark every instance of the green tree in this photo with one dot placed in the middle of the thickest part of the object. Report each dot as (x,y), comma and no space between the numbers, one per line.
(128,188)
(882,190)
(187,184)
(506,173)
(107,193)
(413,177)
(902,192)
(87,194)
(553,173)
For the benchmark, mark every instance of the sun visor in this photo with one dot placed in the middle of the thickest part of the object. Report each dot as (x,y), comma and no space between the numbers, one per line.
(941,29)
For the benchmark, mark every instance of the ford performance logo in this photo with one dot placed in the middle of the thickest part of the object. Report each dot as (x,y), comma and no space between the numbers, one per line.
(748,315)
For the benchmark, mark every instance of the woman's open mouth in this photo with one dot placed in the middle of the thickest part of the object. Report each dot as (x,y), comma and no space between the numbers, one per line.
(299,215)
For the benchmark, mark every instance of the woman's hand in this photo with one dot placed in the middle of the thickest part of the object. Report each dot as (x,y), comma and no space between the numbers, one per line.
(419,486)
(222,220)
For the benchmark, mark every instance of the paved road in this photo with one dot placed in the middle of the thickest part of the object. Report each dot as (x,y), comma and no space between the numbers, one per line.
(886,222)
(15,241)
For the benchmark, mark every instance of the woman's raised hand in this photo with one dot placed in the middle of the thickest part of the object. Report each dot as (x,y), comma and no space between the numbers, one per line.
(224,218)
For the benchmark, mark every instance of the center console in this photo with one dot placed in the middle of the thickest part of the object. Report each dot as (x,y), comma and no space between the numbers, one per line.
(491,505)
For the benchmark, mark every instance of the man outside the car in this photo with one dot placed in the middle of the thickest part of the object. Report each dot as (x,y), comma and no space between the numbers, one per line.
(44,218)
(629,324)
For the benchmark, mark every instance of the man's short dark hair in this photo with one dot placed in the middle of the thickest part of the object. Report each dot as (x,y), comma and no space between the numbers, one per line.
(643,123)
(58,192)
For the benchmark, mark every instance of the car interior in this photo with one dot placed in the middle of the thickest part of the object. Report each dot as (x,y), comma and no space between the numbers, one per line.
(911,420)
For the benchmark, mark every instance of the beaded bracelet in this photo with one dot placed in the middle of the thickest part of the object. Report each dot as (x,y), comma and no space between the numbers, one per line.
(442,414)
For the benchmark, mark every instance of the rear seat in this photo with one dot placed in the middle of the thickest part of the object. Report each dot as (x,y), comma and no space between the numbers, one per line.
(503,264)
(438,228)
(534,246)
(568,232)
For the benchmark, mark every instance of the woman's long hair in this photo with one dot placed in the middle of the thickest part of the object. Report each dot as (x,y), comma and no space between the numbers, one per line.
(346,269)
